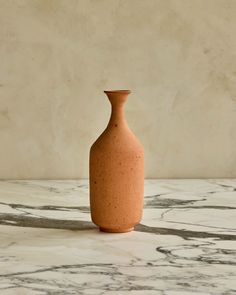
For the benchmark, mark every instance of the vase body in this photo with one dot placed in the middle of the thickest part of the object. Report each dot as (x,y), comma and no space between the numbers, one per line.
(116,172)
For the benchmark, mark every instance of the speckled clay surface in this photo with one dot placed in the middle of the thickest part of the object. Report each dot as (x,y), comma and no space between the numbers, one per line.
(116,172)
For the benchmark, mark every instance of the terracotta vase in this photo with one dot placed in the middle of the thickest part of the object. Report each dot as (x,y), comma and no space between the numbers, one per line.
(116,172)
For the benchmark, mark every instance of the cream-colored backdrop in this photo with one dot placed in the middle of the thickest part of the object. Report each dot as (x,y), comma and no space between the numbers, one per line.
(178,57)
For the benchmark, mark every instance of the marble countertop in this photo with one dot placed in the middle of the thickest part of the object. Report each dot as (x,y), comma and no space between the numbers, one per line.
(185,244)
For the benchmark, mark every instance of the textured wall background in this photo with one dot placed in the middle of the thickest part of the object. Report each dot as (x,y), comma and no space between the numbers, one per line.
(178,57)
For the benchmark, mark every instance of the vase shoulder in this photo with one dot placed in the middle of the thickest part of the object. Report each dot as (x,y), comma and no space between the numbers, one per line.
(115,140)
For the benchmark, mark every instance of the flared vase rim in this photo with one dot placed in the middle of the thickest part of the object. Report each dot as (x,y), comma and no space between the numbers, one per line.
(118,91)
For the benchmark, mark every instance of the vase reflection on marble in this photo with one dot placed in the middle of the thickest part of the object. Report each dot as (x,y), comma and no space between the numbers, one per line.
(116,172)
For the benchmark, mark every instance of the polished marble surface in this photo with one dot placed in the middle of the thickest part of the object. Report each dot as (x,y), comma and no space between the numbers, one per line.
(185,244)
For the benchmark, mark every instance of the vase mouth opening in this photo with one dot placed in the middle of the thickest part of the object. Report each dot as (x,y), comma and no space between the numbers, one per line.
(118,91)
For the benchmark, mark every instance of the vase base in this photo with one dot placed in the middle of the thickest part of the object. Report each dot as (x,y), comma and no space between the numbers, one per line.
(115,230)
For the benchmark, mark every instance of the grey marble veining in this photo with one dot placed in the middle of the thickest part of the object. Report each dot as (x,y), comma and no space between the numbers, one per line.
(185,244)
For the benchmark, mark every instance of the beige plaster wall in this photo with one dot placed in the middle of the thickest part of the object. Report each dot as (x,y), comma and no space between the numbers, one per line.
(178,57)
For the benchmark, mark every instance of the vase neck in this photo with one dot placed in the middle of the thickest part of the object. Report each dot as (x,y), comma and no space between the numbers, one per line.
(117,116)
(117,100)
